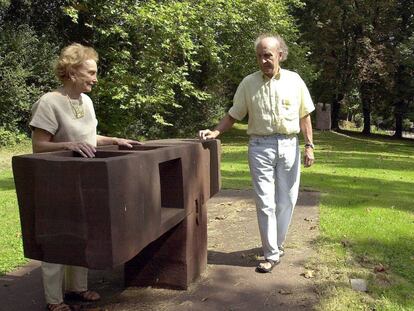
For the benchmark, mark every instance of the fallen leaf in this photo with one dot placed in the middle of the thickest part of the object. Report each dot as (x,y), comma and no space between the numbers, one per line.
(313,227)
(221,217)
(186,303)
(285,292)
(379,268)
(307,219)
(308,274)
(204,299)
(368,210)
(345,243)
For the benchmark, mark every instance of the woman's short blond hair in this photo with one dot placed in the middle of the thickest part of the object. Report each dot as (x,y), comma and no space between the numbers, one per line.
(72,57)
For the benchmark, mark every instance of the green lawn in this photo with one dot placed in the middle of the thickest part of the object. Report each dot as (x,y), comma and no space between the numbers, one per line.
(366,221)
(11,252)
(366,215)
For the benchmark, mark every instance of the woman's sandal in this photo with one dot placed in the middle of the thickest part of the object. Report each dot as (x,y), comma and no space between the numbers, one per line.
(85,296)
(262,269)
(58,307)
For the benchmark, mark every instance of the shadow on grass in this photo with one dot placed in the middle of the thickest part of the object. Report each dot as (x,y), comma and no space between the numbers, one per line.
(375,136)
(395,284)
(364,188)
(375,191)
(351,141)
(6,183)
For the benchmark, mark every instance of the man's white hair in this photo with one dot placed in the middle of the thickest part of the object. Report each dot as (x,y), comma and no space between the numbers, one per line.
(282,44)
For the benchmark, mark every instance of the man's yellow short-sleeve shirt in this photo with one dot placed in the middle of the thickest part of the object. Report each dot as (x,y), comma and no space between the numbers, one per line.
(274,105)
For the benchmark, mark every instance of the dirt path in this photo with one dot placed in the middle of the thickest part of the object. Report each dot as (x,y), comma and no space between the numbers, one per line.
(230,282)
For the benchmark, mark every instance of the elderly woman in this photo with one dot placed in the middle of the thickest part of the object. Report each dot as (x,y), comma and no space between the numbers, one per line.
(65,119)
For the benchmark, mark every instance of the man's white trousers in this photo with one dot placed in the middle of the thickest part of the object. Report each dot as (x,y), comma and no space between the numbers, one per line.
(275,169)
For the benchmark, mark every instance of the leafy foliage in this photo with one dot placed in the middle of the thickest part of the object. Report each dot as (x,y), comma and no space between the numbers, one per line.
(170,67)
(25,73)
(166,68)
(362,46)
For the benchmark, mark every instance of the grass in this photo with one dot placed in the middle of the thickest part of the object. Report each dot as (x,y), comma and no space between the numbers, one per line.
(11,249)
(366,220)
(366,215)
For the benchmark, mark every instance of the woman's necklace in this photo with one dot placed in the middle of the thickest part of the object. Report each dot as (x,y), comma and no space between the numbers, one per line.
(77,108)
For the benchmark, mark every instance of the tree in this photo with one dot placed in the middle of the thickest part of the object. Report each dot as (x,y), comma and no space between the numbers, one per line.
(329,28)
(357,45)
(25,73)
(403,40)
(170,67)
(166,68)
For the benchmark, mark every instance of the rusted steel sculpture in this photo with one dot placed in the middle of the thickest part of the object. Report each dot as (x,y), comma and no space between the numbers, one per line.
(142,207)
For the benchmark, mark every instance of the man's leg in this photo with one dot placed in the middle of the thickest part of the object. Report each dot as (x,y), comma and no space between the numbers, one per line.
(262,154)
(287,184)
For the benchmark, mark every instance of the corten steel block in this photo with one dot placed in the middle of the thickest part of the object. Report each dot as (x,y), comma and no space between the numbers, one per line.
(175,259)
(180,255)
(102,212)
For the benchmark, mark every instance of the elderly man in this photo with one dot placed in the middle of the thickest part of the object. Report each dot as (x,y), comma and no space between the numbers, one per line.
(278,104)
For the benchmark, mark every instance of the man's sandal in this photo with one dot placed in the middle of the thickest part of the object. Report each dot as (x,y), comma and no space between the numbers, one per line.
(58,307)
(263,269)
(281,251)
(85,296)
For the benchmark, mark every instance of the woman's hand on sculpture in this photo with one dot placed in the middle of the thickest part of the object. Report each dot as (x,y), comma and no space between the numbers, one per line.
(126,142)
(84,149)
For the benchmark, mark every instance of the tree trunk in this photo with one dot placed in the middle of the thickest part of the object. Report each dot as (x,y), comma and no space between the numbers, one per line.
(366,108)
(367,120)
(398,125)
(336,105)
(401,108)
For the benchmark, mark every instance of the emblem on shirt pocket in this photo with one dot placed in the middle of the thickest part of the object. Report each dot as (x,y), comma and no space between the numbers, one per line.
(286,102)
(288,111)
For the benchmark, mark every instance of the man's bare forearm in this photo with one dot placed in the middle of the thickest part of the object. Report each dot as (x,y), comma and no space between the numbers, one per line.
(306,128)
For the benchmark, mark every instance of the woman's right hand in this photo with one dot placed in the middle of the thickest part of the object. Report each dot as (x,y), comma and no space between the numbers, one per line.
(84,149)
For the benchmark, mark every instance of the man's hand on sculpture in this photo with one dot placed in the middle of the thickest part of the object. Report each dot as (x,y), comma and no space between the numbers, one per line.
(207,134)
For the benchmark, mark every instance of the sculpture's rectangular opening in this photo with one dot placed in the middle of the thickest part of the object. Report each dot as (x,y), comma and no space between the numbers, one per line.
(98,154)
(140,147)
(171,180)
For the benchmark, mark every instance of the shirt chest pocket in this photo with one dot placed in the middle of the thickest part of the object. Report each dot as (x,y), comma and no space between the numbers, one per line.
(289,107)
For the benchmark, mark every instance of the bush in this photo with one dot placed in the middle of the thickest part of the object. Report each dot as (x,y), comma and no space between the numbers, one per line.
(25,73)
(168,67)
(9,138)
(407,125)
(358,120)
